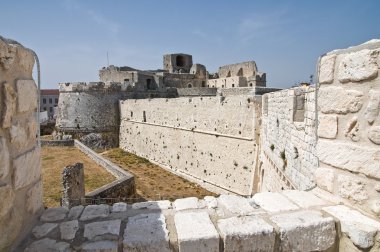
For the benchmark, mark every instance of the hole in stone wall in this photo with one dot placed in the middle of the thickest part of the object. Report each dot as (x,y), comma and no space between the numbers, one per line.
(203,84)
(240,72)
(144,116)
(295,153)
(131,113)
(189,85)
(180,60)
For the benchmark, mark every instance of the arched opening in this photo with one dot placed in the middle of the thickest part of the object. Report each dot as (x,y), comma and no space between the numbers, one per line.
(203,84)
(180,60)
(229,74)
(233,85)
(148,84)
(189,85)
(240,72)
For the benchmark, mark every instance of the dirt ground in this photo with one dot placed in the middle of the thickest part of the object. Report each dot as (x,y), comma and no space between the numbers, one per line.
(153,182)
(55,159)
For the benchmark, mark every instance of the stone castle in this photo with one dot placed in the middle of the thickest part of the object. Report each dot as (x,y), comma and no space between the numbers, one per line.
(298,169)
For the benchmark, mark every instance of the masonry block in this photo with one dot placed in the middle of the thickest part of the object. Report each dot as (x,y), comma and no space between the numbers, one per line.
(27,95)
(337,100)
(27,168)
(326,70)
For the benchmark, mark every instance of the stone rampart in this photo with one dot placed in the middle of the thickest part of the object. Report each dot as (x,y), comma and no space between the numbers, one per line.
(197,91)
(349,125)
(20,171)
(210,139)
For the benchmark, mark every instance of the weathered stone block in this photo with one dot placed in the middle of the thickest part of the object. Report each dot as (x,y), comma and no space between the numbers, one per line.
(146,232)
(305,231)
(325,178)
(119,207)
(350,157)
(352,129)
(373,107)
(273,202)
(374,134)
(326,70)
(102,229)
(247,233)
(358,227)
(100,246)
(211,202)
(54,214)
(95,211)
(339,100)
(235,204)
(304,199)
(186,203)
(9,104)
(7,199)
(27,168)
(161,204)
(19,137)
(358,66)
(47,244)
(4,158)
(328,126)
(73,185)
(44,229)
(75,212)
(352,188)
(196,232)
(34,198)
(26,95)
(68,229)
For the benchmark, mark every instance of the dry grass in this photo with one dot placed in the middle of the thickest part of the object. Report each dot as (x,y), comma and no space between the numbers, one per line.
(152,181)
(55,159)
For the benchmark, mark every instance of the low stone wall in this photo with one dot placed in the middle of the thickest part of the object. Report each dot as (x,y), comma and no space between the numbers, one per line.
(57,143)
(122,188)
(197,91)
(287,221)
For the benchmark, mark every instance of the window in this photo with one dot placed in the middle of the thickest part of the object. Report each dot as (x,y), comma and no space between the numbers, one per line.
(240,72)
(56,100)
(189,85)
(250,84)
(148,83)
(51,109)
(144,116)
(180,60)
(233,85)
(126,80)
(203,84)
(50,100)
(44,108)
(229,74)
(44,100)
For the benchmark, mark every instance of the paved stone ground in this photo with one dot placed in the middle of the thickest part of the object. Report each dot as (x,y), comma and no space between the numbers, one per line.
(288,221)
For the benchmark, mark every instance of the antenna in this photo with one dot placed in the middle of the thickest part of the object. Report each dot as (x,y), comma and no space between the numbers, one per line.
(108,61)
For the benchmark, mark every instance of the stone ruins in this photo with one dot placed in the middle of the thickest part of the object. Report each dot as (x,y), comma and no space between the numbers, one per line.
(297,169)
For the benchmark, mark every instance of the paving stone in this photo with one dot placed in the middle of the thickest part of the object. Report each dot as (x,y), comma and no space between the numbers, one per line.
(235,204)
(305,230)
(75,212)
(211,201)
(304,199)
(100,246)
(54,214)
(161,204)
(95,211)
(119,207)
(358,227)
(196,232)
(273,202)
(246,233)
(69,229)
(102,230)
(50,245)
(43,230)
(146,232)
(186,203)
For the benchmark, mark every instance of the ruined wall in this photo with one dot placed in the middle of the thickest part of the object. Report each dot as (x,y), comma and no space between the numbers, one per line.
(177,62)
(20,171)
(210,139)
(288,140)
(349,125)
(245,69)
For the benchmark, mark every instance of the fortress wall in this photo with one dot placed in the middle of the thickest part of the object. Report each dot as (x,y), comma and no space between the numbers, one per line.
(288,140)
(349,125)
(20,171)
(245,69)
(210,139)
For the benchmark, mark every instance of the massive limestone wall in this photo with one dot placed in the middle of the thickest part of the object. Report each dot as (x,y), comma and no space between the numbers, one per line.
(349,125)
(20,172)
(288,140)
(212,140)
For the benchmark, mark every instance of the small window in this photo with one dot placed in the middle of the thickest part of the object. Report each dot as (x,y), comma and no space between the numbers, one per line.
(126,80)
(222,86)
(250,84)
(56,100)
(203,84)
(44,108)
(51,109)
(50,100)
(148,84)
(189,85)
(44,100)
(144,116)
(233,85)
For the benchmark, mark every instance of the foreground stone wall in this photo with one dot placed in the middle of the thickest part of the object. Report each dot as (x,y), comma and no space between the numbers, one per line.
(211,140)
(349,125)
(20,171)
(287,221)
(288,140)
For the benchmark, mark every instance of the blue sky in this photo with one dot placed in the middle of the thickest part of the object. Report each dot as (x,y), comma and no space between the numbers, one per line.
(285,38)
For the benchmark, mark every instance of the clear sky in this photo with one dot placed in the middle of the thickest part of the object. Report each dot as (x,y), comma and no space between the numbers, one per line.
(285,38)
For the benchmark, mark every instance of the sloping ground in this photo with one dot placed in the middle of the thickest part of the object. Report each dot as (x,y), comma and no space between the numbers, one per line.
(153,182)
(55,159)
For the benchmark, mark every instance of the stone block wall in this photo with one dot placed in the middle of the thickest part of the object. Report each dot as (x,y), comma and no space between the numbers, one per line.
(212,140)
(20,171)
(349,125)
(288,139)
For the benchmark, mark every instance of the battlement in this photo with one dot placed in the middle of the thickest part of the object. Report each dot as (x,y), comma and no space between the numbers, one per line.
(92,86)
